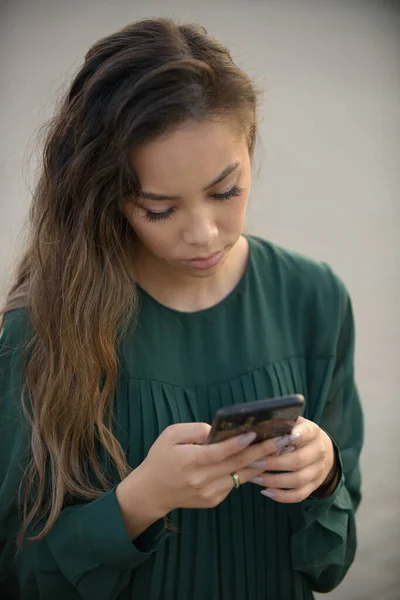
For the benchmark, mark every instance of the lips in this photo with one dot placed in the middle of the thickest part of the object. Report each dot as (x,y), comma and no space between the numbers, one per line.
(200,258)
(205,263)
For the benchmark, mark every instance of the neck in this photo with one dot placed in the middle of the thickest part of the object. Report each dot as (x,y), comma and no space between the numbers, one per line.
(187,293)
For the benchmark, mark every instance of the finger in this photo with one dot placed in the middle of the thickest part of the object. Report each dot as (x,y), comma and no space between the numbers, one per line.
(303,432)
(241,460)
(188,433)
(244,475)
(286,450)
(297,459)
(293,480)
(248,474)
(223,482)
(220,451)
(237,453)
(214,492)
(300,419)
(222,486)
(290,496)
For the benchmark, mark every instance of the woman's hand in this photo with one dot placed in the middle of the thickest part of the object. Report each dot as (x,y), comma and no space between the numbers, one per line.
(311,465)
(180,471)
(183,472)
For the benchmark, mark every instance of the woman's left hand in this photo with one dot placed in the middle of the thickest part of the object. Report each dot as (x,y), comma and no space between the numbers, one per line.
(311,465)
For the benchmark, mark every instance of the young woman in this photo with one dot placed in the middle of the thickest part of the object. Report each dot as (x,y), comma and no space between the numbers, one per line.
(139,308)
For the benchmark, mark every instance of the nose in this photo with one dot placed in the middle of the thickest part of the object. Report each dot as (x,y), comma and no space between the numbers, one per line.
(200,229)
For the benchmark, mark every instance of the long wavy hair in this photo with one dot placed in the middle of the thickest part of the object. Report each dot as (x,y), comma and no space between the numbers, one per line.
(74,277)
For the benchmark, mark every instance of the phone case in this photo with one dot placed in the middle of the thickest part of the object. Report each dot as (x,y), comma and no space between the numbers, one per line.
(269,418)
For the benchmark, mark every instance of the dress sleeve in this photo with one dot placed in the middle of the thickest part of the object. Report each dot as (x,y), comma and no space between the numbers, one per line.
(87,554)
(324,540)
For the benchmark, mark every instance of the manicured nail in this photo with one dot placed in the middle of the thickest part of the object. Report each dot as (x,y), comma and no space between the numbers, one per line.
(286,450)
(258,464)
(295,436)
(267,493)
(281,442)
(247,438)
(259,479)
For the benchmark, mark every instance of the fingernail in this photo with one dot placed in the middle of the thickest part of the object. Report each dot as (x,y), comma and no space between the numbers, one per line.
(286,450)
(281,442)
(258,464)
(247,438)
(258,479)
(295,435)
(267,493)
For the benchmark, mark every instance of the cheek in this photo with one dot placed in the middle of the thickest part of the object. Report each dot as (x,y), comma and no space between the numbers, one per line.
(159,238)
(243,206)
(138,224)
(152,235)
(232,214)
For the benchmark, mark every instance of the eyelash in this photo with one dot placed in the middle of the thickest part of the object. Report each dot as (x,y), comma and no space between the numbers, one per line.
(162,216)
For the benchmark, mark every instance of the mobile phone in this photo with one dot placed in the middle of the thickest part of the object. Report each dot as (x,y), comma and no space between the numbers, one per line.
(269,418)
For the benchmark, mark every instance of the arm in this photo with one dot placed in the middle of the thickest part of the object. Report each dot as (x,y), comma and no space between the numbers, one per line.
(88,553)
(89,546)
(324,530)
(136,506)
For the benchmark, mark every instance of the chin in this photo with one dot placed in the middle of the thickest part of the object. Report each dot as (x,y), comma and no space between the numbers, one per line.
(197,274)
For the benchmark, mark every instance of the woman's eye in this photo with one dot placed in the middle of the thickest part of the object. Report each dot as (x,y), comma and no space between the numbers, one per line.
(158,216)
(235,191)
(151,216)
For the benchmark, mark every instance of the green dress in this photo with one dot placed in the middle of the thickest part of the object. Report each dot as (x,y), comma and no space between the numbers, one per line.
(286,327)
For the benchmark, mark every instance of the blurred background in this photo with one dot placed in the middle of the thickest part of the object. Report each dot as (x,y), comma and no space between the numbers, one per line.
(326,179)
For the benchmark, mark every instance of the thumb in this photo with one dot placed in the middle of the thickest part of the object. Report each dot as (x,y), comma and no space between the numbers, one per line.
(190,433)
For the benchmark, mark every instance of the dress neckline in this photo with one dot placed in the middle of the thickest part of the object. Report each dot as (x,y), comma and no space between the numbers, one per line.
(237,289)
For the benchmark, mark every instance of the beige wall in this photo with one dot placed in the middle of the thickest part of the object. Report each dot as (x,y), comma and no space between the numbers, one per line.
(328,184)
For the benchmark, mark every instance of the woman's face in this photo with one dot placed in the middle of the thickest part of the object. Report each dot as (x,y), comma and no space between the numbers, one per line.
(195,184)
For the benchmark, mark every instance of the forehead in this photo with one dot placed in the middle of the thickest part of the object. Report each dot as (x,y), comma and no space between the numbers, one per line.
(192,154)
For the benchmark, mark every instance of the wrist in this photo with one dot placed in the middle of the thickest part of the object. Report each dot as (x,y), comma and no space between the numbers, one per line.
(138,504)
(331,474)
(330,482)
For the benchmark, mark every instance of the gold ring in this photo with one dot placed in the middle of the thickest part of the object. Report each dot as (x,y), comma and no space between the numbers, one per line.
(236,480)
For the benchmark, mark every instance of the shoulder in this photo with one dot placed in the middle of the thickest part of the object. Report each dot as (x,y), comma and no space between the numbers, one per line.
(290,266)
(13,338)
(14,331)
(292,274)
(303,300)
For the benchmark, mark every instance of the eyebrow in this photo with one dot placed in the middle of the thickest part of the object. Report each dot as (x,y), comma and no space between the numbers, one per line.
(227,171)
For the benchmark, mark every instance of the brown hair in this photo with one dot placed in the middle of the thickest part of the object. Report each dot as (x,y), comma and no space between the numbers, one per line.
(74,278)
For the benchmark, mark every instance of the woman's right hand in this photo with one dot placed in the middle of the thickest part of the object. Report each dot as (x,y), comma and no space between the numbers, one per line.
(181,471)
